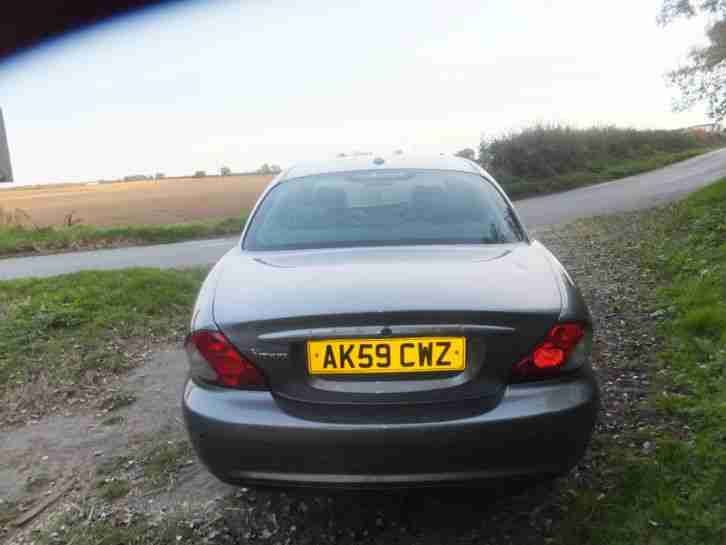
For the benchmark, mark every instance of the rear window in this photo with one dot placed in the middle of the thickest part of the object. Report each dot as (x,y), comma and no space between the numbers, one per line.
(382,208)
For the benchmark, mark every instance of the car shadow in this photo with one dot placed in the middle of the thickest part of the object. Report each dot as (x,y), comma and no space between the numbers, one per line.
(514,512)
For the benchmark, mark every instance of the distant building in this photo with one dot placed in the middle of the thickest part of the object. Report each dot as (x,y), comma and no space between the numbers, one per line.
(704,127)
(6,170)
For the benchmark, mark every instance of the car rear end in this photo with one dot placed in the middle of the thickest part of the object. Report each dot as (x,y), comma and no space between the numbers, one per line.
(389,366)
(261,430)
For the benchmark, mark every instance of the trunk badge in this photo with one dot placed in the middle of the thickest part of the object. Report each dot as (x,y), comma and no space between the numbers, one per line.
(270,355)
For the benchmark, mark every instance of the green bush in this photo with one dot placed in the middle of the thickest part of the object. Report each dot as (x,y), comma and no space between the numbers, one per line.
(546,158)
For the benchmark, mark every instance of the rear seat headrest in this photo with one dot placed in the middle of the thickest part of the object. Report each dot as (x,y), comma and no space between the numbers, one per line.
(331,197)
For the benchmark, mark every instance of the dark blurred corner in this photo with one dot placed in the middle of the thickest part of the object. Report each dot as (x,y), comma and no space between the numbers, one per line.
(26,23)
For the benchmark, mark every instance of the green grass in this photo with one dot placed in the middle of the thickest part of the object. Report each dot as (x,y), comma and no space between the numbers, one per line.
(68,329)
(118,400)
(160,459)
(165,460)
(676,494)
(113,489)
(595,172)
(19,239)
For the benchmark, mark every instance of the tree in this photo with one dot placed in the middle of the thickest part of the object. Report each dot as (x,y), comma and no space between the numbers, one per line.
(673,9)
(200,174)
(225,171)
(269,169)
(467,153)
(703,77)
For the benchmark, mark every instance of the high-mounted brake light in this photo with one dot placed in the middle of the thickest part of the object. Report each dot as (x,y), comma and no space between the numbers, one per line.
(549,357)
(213,359)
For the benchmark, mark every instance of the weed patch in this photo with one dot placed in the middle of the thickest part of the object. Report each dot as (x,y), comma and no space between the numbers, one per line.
(117,400)
(62,335)
(112,489)
(164,461)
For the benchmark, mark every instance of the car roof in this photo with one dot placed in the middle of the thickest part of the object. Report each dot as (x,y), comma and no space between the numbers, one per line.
(373,162)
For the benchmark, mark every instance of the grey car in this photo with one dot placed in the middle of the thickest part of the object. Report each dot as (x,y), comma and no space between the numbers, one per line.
(388,322)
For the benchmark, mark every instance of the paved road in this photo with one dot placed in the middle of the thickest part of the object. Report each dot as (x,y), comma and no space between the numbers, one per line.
(631,193)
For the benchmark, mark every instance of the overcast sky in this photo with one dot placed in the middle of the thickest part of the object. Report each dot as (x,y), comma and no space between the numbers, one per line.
(199,85)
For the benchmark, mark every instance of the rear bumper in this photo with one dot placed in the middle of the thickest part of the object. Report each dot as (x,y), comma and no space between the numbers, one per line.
(536,429)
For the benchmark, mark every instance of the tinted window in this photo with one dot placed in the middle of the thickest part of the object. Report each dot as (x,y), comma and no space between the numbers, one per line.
(383,207)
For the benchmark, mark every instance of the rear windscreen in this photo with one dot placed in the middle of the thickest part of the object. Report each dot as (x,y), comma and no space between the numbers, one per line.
(382,208)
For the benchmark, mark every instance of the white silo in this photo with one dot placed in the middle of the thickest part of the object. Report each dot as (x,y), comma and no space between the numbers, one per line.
(6,170)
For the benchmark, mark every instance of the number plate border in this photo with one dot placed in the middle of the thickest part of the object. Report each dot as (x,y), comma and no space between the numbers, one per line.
(380,371)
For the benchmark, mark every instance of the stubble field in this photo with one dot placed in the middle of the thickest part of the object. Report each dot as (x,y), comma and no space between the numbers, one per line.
(150,202)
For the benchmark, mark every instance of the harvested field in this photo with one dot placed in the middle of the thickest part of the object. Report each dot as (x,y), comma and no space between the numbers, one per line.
(171,200)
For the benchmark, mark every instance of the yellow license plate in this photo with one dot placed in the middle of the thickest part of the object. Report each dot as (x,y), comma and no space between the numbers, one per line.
(395,355)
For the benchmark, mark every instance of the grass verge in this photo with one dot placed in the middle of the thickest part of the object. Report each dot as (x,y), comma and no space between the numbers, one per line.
(64,334)
(595,172)
(674,493)
(23,239)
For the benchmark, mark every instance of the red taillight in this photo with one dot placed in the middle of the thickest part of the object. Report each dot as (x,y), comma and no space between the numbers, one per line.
(231,368)
(551,354)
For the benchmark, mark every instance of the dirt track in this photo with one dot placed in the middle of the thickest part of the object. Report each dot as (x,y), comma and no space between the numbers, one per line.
(174,200)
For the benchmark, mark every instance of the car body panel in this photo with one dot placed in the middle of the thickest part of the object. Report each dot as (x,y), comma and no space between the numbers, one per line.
(273,285)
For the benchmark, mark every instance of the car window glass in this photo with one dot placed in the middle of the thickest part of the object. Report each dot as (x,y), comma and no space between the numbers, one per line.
(382,208)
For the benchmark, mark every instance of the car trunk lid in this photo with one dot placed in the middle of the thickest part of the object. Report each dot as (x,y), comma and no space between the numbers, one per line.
(501,299)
